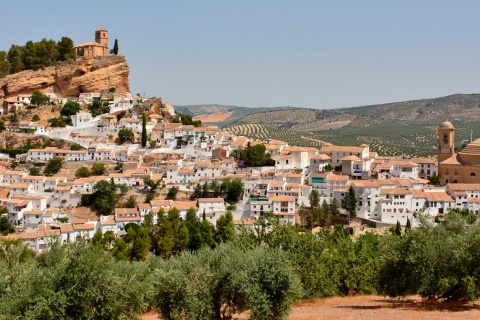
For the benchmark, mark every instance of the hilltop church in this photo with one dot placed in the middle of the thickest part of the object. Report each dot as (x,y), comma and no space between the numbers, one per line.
(92,49)
(461,167)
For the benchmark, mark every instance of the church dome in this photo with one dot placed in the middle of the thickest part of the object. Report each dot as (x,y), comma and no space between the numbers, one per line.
(446,125)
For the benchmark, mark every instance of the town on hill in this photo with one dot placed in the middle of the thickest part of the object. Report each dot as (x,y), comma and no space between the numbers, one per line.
(83,161)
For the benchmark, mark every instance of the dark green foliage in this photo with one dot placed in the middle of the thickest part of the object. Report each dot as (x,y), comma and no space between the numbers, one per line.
(435,180)
(34,171)
(5,226)
(65,49)
(125,135)
(255,156)
(104,197)
(115,48)
(97,108)
(38,98)
(225,228)
(152,184)
(216,284)
(398,229)
(235,190)
(432,261)
(98,169)
(121,115)
(53,166)
(70,108)
(76,146)
(172,193)
(78,283)
(186,119)
(118,166)
(35,117)
(144,130)
(351,202)
(4,64)
(82,172)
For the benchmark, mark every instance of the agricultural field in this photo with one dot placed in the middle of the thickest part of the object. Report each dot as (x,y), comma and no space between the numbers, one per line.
(300,119)
(213,117)
(403,140)
(261,132)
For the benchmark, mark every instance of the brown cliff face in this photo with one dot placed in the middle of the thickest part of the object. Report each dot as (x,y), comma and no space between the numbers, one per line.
(70,78)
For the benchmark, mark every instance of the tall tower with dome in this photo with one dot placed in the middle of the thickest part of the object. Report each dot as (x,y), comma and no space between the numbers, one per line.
(446,141)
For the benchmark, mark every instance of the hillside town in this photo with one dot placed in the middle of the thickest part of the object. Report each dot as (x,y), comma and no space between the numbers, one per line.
(145,148)
(187,158)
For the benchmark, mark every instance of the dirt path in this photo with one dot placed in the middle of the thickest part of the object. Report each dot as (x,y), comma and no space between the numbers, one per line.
(377,308)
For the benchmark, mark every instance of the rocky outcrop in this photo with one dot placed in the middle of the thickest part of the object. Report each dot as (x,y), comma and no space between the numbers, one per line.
(70,78)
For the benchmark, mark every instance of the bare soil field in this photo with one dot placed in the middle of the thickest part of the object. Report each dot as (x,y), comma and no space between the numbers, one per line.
(376,308)
(214,117)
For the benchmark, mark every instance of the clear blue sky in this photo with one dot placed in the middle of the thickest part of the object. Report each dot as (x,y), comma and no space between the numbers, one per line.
(317,54)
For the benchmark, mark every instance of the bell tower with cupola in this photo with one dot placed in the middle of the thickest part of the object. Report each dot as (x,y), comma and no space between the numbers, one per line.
(446,141)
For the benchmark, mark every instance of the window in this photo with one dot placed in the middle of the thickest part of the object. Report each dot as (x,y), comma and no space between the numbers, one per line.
(473,174)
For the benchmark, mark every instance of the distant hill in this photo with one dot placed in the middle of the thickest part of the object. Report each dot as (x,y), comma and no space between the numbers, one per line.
(237,112)
(400,128)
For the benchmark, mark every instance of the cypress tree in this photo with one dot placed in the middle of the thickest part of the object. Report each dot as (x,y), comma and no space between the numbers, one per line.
(115,47)
(144,130)
(398,229)
(408,227)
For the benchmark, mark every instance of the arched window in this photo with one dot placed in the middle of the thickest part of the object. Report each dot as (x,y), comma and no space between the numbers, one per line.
(473,174)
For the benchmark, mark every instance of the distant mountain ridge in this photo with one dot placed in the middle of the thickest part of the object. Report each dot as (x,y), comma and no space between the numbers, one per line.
(398,128)
(458,107)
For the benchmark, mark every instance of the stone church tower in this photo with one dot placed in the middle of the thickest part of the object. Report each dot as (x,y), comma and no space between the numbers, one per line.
(101,36)
(446,143)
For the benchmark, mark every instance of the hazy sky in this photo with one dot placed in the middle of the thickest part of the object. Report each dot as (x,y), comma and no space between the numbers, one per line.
(317,54)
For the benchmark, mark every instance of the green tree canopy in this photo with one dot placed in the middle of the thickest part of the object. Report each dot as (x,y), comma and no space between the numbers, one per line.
(98,169)
(255,156)
(70,108)
(38,98)
(82,172)
(125,135)
(53,166)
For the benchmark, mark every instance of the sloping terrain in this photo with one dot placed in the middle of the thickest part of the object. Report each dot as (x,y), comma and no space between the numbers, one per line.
(400,128)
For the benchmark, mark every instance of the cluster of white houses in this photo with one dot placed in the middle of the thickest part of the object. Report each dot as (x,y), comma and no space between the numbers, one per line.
(389,189)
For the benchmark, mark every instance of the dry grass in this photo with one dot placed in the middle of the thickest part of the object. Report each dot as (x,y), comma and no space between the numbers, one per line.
(213,117)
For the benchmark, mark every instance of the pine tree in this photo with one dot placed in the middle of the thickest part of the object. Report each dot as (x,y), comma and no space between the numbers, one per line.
(144,130)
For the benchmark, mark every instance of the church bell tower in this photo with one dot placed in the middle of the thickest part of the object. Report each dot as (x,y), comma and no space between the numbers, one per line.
(446,141)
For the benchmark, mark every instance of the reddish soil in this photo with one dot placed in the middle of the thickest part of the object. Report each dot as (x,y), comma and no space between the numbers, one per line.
(377,308)
(214,117)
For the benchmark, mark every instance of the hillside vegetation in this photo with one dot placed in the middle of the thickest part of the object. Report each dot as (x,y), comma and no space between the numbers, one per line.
(400,128)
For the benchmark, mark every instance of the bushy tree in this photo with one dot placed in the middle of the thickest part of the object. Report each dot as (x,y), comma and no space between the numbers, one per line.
(38,98)
(65,49)
(172,193)
(82,172)
(104,197)
(34,171)
(98,169)
(53,166)
(70,108)
(215,284)
(255,156)
(125,135)
(434,261)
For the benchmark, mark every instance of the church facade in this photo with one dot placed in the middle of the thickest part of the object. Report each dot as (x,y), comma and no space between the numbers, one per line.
(92,49)
(461,167)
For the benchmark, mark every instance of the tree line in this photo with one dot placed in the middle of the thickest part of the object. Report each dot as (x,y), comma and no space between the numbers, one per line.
(35,55)
(262,269)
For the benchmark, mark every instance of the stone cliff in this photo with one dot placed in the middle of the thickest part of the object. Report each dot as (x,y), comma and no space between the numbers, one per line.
(70,78)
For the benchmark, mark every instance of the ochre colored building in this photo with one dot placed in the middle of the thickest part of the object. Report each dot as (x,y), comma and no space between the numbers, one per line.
(92,49)
(461,167)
